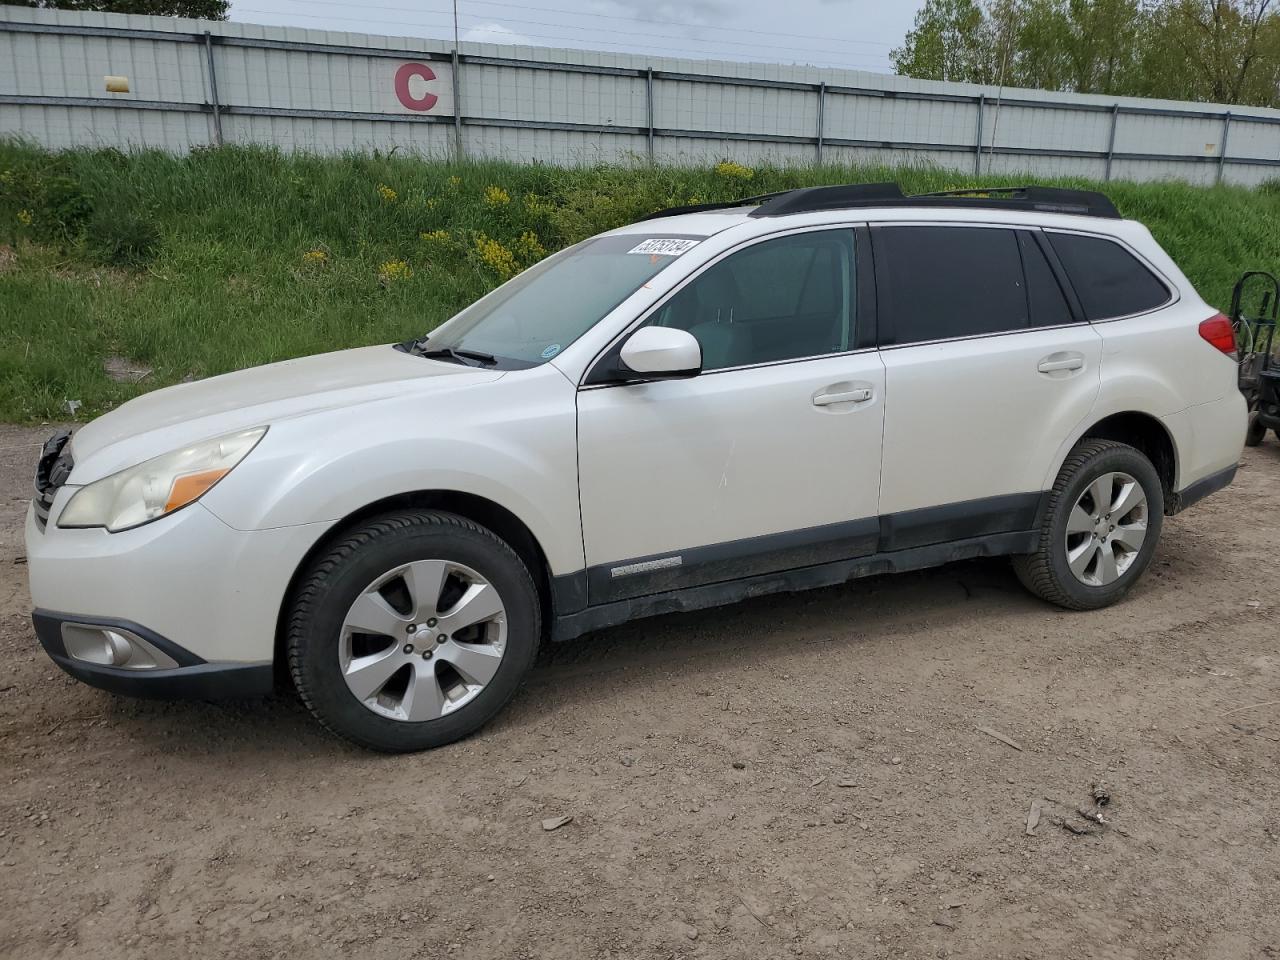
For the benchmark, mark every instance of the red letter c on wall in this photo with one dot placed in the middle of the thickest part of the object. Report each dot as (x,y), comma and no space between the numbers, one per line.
(406,72)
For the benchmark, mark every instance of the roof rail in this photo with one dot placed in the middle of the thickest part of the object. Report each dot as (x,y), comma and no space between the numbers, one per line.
(704,207)
(1087,203)
(830,198)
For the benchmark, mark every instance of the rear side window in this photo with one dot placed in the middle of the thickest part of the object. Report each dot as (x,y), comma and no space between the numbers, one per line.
(936,283)
(1107,278)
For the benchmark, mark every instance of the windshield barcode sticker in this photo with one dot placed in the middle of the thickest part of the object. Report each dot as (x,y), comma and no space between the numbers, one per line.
(665,247)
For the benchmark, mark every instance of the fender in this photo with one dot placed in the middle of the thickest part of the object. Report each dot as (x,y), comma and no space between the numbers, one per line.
(514,446)
(1128,395)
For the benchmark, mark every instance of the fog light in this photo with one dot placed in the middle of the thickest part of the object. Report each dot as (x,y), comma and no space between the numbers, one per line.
(113,647)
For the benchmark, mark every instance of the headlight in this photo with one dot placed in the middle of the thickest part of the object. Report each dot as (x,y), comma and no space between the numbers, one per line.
(159,486)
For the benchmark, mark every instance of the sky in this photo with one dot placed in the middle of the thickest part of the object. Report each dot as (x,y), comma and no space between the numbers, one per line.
(855,34)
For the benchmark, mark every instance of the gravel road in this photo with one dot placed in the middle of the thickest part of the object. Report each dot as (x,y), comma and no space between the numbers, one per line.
(795,776)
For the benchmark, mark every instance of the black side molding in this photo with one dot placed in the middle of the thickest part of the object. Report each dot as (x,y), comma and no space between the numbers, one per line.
(1201,489)
(679,569)
(806,578)
(961,521)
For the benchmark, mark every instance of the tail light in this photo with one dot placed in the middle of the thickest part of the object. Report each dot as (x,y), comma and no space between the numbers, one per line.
(1218,333)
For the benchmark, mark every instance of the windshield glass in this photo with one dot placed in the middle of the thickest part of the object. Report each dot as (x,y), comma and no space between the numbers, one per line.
(532,317)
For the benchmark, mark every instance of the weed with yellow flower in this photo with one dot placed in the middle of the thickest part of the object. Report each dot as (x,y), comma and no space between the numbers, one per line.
(492,255)
(394,271)
(496,197)
(730,170)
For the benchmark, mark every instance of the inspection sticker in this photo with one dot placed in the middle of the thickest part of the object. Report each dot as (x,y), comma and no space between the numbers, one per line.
(669,247)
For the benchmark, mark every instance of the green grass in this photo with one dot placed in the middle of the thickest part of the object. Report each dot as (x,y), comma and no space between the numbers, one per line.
(197,265)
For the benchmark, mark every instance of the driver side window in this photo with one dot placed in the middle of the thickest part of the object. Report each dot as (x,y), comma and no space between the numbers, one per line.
(781,299)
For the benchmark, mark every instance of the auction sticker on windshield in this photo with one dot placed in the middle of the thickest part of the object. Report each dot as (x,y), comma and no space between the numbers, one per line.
(668,247)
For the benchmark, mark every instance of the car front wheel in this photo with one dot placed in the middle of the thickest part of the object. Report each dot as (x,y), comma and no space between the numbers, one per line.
(412,631)
(1100,529)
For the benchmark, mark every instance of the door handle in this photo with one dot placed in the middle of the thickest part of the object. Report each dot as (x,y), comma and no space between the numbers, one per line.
(847,396)
(1069,363)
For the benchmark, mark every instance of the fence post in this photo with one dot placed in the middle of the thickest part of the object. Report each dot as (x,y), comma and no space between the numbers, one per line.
(213,89)
(1222,154)
(457,105)
(648,104)
(977,140)
(822,113)
(1111,140)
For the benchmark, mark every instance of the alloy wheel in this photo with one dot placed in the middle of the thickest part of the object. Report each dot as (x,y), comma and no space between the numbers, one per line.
(423,640)
(1106,529)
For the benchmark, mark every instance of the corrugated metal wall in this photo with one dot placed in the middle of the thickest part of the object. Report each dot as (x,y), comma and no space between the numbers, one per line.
(192,83)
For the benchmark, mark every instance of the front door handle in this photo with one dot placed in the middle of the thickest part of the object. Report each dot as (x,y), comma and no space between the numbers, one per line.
(1052,364)
(858,395)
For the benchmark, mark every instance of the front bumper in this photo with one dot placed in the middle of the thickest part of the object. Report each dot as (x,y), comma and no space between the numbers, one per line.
(214,590)
(191,679)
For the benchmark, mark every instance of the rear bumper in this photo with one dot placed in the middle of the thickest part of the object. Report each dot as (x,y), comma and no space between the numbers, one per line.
(1208,439)
(191,679)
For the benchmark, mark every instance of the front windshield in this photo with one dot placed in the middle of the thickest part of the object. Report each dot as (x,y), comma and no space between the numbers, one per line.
(532,317)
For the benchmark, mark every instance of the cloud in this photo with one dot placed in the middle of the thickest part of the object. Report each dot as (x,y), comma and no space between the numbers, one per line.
(495,33)
(704,12)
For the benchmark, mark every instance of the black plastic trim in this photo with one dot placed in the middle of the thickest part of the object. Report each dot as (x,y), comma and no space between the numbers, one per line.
(49,623)
(194,679)
(885,333)
(733,560)
(1059,271)
(864,264)
(794,549)
(959,521)
(1202,488)
(569,593)
(806,578)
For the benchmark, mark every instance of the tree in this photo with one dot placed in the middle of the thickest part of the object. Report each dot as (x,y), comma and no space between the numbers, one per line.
(1225,51)
(197,9)
(945,43)
(1215,50)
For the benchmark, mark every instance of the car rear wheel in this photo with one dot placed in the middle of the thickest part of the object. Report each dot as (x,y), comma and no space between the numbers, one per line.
(1100,529)
(412,631)
(1257,430)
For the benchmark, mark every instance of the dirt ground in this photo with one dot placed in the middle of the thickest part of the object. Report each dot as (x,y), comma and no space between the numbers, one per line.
(795,776)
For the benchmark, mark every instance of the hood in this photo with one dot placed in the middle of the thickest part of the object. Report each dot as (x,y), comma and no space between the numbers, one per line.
(166,419)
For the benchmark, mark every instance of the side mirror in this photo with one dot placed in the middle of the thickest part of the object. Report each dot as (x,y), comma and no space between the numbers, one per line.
(662,353)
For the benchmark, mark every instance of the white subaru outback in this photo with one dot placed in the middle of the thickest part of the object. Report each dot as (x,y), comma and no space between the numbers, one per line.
(712,404)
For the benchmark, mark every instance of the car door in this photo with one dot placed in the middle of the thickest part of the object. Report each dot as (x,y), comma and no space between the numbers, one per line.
(989,365)
(769,459)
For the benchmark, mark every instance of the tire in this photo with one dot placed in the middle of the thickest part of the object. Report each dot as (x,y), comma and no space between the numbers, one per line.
(360,651)
(1257,431)
(1048,572)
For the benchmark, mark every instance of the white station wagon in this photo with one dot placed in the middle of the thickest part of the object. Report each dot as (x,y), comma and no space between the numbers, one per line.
(715,403)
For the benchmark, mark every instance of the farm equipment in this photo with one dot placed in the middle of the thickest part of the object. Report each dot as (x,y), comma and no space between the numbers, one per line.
(1255,339)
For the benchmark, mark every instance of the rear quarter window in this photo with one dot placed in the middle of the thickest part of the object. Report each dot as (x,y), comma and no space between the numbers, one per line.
(1108,279)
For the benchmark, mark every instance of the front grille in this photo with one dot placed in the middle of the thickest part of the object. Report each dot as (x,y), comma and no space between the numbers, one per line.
(52,472)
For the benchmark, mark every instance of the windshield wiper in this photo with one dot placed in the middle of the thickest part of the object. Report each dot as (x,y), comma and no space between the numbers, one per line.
(469,358)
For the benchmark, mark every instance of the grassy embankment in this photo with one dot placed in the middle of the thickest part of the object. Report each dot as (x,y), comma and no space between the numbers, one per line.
(197,265)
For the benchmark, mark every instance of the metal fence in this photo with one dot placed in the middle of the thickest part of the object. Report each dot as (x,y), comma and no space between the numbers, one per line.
(192,82)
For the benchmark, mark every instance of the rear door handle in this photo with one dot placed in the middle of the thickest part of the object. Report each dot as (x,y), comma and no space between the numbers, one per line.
(848,396)
(1067,363)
